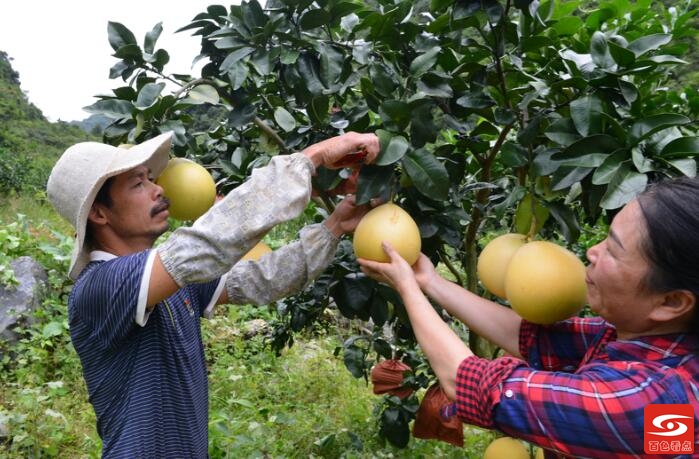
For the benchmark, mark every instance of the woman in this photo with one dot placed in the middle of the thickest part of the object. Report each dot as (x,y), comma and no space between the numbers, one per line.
(578,387)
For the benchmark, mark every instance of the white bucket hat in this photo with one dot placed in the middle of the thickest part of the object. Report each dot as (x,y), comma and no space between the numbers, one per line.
(81,171)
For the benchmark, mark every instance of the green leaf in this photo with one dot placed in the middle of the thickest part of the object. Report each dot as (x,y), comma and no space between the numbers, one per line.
(681,147)
(600,51)
(202,94)
(237,74)
(112,108)
(52,329)
(241,115)
(622,56)
(609,168)
(351,294)
(563,132)
(652,42)
(159,59)
(433,85)
(644,128)
(395,114)
(592,145)
(315,18)
(528,135)
(686,166)
(623,188)
(235,56)
(289,56)
(425,61)
(513,154)
(331,63)
(629,91)
(319,110)
(394,151)
(378,310)
(354,358)
(428,174)
(423,125)
(569,25)
(284,119)
(586,114)
(565,177)
(119,35)
(475,100)
(565,217)
(643,164)
(394,427)
(261,60)
(152,37)
(307,68)
(373,181)
(148,95)
(129,52)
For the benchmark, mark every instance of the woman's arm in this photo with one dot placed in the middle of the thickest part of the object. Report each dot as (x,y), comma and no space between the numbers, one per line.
(494,322)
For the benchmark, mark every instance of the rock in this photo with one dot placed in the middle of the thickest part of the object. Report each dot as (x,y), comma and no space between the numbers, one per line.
(255,327)
(17,302)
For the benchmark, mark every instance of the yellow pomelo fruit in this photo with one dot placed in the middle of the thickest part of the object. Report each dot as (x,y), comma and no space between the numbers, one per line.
(539,454)
(256,252)
(189,187)
(494,259)
(545,282)
(387,222)
(506,448)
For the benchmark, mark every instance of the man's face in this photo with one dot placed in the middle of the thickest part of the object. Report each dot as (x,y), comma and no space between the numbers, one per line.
(138,214)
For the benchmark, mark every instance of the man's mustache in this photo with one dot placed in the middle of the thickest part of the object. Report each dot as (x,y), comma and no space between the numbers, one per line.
(162,205)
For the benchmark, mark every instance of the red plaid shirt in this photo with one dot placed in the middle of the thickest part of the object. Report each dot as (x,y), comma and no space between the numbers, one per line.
(581,392)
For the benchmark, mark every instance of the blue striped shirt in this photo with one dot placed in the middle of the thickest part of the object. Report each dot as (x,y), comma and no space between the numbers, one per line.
(147,382)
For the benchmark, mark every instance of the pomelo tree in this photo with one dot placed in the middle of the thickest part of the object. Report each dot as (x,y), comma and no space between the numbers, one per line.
(538,117)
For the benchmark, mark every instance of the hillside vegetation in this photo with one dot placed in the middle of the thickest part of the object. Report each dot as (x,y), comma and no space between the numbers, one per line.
(29,143)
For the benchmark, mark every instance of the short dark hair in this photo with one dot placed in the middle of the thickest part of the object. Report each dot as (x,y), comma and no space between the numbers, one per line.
(103,196)
(670,242)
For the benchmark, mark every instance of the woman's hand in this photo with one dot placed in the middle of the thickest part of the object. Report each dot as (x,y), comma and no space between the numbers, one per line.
(425,272)
(397,273)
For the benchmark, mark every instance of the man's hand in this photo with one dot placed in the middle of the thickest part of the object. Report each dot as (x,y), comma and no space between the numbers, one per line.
(346,216)
(344,150)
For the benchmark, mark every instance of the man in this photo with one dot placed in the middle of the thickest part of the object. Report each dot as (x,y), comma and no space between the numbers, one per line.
(135,311)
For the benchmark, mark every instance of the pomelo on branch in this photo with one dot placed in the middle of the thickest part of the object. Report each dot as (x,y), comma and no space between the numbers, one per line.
(506,448)
(545,282)
(189,187)
(387,222)
(493,261)
(256,252)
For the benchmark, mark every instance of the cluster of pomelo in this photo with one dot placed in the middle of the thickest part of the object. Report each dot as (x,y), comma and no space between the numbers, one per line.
(543,281)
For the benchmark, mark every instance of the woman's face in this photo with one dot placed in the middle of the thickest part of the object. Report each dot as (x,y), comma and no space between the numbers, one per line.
(616,273)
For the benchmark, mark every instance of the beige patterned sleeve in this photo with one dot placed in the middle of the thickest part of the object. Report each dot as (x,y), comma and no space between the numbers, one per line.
(283,272)
(206,250)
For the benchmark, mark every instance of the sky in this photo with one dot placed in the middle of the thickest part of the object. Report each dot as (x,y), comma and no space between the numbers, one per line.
(61,51)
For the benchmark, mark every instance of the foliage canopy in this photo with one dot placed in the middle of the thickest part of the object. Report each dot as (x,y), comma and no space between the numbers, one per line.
(527,115)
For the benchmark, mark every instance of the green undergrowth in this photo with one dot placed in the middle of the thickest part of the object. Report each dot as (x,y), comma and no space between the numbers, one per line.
(302,403)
